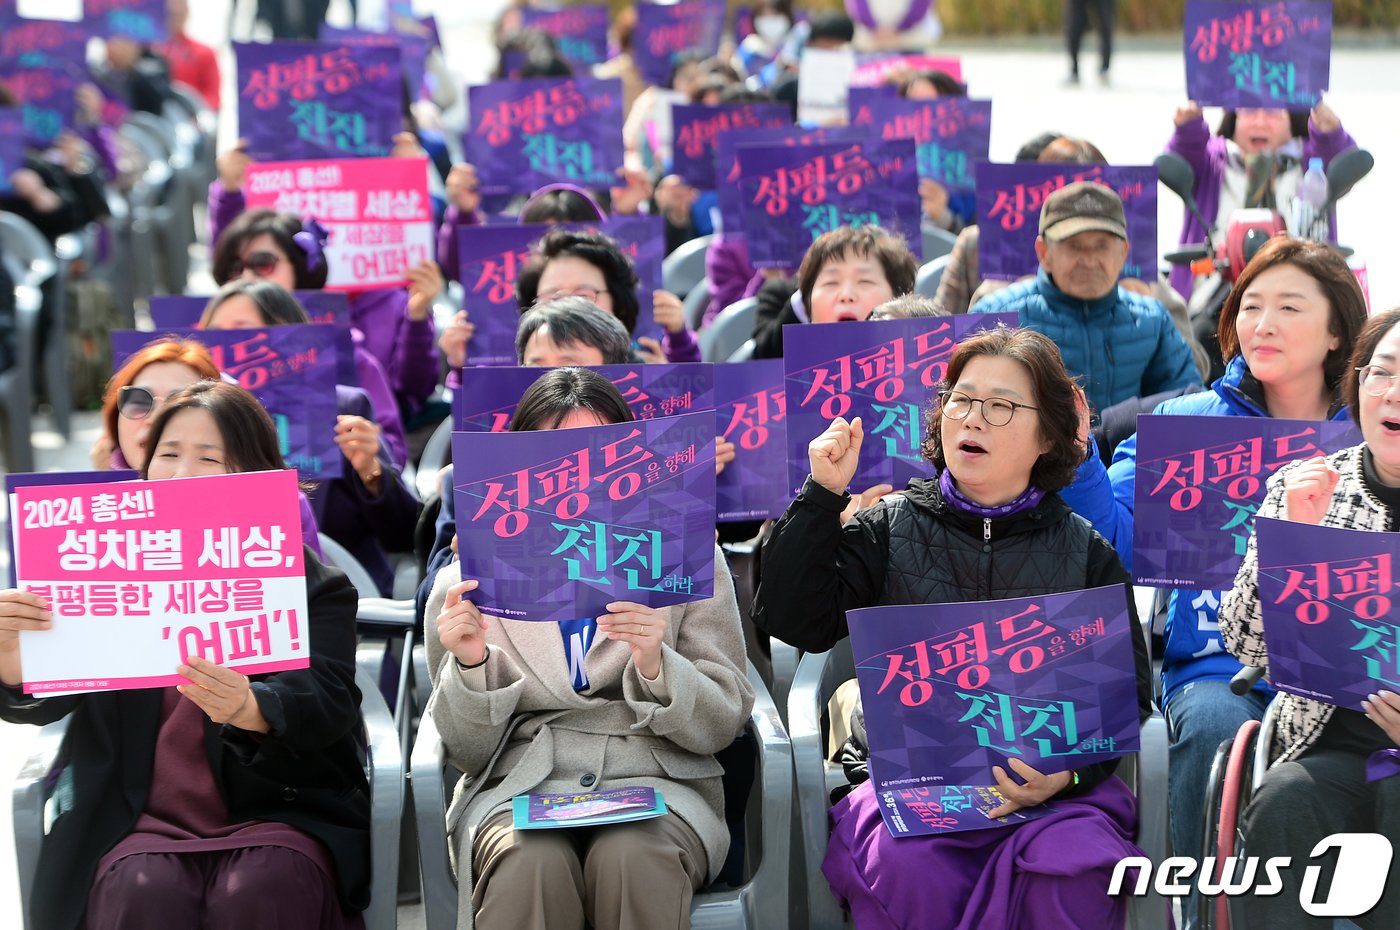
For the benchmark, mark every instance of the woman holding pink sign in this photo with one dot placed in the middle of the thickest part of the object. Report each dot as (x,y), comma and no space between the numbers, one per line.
(225,802)
(1004,438)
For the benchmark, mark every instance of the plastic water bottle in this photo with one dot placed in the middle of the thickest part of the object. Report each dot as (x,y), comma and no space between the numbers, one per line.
(1310,200)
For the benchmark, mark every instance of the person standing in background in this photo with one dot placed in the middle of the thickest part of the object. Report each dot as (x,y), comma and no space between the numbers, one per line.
(1077,23)
(192,63)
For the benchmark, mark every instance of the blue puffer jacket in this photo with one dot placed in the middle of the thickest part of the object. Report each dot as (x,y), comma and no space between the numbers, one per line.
(1122,345)
(1104,497)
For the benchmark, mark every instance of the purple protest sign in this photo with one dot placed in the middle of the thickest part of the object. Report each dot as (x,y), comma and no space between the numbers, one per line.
(413,50)
(951,134)
(184,311)
(586,809)
(35,43)
(642,239)
(727,142)
(1009,198)
(557,524)
(752,408)
(695,128)
(302,101)
(48,479)
(950,690)
(1270,55)
(874,69)
(142,21)
(665,32)
(579,32)
(525,134)
(923,810)
(11,144)
(291,370)
(793,194)
(489,260)
(887,372)
(1328,624)
(486,400)
(1200,480)
(46,97)
(858,97)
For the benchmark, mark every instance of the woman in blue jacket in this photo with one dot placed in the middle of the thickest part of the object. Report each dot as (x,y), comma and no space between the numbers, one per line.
(1286,332)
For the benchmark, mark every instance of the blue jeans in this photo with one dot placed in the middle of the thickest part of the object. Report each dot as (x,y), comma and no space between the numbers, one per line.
(1200,716)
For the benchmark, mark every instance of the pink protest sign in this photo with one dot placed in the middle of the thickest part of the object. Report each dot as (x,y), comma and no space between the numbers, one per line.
(377,210)
(142,575)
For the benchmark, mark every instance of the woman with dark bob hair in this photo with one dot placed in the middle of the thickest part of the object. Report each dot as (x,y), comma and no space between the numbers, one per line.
(1005,436)
(367,508)
(1331,768)
(396,323)
(589,264)
(845,274)
(227,801)
(1286,333)
(637,697)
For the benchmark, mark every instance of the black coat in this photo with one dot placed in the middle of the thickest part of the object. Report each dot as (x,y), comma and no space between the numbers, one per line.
(308,772)
(915,549)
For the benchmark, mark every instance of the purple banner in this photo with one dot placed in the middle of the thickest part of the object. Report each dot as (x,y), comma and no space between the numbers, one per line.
(486,400)
(951,134)
(950,690)
(413,50)
(301,101)
(922,810)
(523,135)
(642,239)
(1270,55)
(1329,627)
(1199,482)
(727,142)
(1009,198)
(579,32)
(489,261)
(48,479)
(46,98)
(557,524)
(141,21)
(290,369)
(791,195)
(664,33)
(752,407)
(696,127)
(887,372)
(36,43)
(183,311)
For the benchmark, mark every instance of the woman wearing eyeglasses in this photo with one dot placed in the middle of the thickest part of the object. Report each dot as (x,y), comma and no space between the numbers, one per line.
(1004,437)
(1332,769)
(1286,334)
(135,396)
(396,324)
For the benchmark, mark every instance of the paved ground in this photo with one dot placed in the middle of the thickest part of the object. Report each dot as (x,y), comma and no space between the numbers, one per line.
(1129,120)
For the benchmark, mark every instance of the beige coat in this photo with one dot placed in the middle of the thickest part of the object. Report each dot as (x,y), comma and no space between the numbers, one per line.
(531,732)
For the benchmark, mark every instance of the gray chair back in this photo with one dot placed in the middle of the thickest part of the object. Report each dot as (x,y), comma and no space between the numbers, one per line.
(729,331)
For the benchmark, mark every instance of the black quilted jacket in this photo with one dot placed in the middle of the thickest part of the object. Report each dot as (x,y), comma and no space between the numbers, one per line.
(915,549)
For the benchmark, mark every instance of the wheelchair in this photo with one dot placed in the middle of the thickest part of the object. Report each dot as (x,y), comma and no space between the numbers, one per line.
(1236,773)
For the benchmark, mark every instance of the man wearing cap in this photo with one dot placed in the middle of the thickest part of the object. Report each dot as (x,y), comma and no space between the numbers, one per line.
(1121,344)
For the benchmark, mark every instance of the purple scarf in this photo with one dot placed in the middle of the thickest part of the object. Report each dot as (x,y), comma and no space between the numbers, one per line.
(859,10)
(1029,498)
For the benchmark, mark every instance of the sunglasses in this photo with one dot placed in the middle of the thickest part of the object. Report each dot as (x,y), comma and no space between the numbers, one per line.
(135,403)
(261,264)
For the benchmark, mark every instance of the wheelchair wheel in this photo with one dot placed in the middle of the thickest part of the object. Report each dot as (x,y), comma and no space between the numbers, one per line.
(1231,787)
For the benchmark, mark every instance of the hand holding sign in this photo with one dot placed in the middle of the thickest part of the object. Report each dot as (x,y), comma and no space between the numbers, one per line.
(640,627)
(1189,113)
(1037,789)
(19,610)
(1308,490)
(1383,708)
(233,166)
(1324,118)
(463,188)
(453,341)
(425,283)
(224,694)
(461,627)
(835,453)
